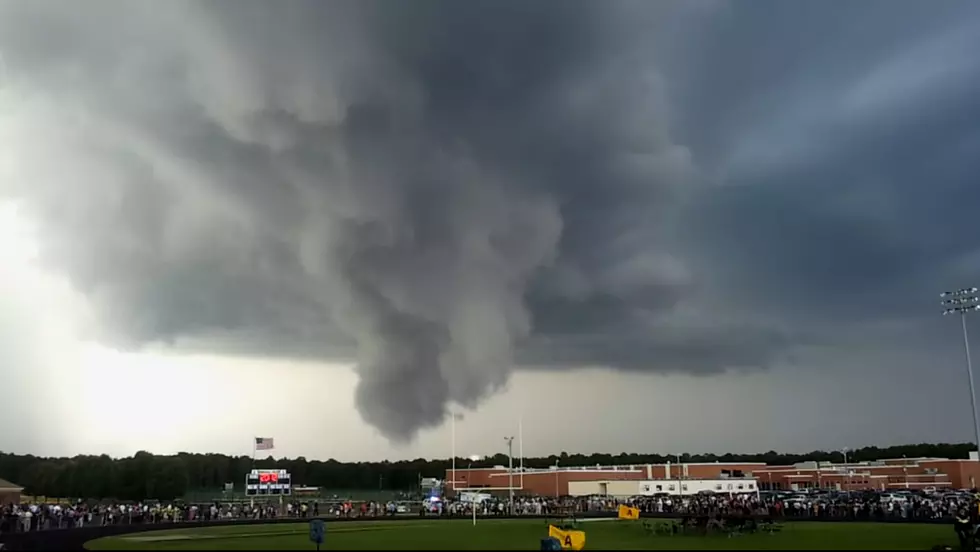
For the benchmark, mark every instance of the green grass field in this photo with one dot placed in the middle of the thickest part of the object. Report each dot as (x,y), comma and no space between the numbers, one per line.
(526,535)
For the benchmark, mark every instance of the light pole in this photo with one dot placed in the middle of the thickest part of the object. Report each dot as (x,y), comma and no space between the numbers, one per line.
(847,471)
(510,471)
(962,302)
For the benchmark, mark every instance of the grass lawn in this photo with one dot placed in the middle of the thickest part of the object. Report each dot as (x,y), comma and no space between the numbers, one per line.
(526,535)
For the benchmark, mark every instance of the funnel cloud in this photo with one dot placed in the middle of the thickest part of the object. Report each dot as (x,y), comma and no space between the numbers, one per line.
(445,192)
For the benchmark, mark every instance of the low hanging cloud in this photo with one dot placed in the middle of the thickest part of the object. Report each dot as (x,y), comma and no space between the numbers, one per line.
(439,190)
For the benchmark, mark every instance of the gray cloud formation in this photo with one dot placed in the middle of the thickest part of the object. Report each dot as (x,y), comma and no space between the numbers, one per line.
(444,189)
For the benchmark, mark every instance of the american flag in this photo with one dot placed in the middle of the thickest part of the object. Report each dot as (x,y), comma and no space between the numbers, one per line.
(263,443)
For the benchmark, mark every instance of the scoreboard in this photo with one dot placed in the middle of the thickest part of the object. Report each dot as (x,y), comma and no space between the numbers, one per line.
(268,482)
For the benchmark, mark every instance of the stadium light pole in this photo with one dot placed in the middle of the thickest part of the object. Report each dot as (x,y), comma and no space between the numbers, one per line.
(847,472)
(510,471)
(963,302)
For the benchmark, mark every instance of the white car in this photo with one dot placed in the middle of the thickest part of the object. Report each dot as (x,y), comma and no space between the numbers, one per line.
(893,497)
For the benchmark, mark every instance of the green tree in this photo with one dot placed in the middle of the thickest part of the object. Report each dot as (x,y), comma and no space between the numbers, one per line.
(149,476)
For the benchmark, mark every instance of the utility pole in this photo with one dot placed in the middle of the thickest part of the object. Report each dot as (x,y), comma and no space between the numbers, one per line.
(510,470)
(963,302)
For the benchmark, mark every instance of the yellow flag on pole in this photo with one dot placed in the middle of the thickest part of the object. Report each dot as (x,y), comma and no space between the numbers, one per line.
(628,512)
(570,540)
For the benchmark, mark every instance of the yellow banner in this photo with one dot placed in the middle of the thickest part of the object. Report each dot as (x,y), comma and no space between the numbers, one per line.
(627,512)
(570,540)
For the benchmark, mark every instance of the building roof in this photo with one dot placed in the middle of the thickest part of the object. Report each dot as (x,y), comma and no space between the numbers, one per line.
(8,486)
(461,467)
(917,459)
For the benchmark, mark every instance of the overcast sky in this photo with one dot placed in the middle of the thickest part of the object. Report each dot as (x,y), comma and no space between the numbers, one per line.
(637,226)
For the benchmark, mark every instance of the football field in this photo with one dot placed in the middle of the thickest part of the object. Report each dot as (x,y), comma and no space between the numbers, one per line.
(526,535)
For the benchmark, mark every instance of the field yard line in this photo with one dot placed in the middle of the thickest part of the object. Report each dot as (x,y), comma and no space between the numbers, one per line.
(158,538)
(230,535)
(379,526)
(223,533)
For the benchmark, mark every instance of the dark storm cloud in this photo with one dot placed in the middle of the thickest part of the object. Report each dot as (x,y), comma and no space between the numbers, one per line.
(441,189)
(866,199)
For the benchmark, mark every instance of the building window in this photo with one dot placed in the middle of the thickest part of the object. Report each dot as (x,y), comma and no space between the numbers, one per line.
(684,487)
(729,486)
(670,487)
(660,488)
(740,486)
(751,485)
(718,487)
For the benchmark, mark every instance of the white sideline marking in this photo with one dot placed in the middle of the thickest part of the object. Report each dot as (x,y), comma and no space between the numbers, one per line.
(158,538)
(234,535)
(369,526)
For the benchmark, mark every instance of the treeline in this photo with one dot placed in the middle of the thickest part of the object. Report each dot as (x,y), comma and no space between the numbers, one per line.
(150,476)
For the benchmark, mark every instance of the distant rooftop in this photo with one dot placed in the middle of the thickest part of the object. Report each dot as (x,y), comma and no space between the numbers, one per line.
(920,459)
(599,467)
(8,486)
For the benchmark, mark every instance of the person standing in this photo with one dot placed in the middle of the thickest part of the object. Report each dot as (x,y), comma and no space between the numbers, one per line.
(962,524)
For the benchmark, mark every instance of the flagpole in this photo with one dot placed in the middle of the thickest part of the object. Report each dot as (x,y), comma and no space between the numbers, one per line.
(251,500)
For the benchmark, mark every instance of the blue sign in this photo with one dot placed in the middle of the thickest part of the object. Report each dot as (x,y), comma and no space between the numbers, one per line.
(318,530)
(550,543)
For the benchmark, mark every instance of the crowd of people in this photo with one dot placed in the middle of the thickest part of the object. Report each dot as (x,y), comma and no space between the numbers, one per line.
(36,517)
(857,506)
(870,506)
